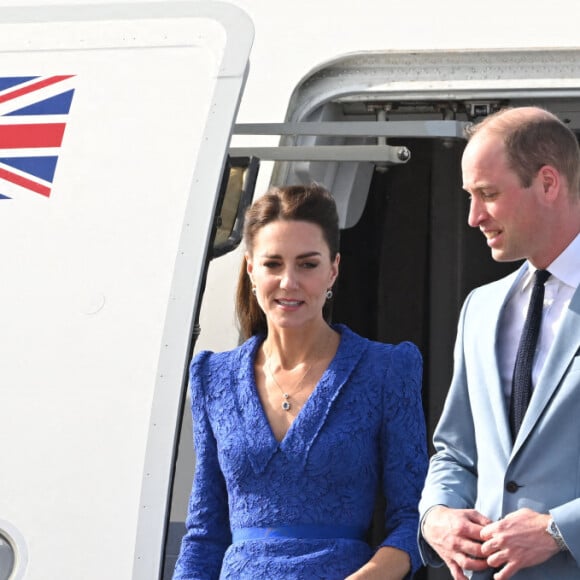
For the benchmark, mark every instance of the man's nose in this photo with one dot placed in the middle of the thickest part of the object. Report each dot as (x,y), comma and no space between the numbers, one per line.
(477,213)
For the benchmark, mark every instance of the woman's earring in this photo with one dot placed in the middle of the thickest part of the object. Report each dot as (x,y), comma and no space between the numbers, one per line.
(254,290)
(329,294)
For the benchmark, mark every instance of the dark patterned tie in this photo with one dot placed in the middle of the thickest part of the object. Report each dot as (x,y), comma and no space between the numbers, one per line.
(522,381)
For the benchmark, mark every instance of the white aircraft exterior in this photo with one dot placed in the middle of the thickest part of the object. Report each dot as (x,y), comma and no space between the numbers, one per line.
(104,257)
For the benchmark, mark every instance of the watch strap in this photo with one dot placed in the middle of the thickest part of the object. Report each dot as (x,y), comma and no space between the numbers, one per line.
(556,535)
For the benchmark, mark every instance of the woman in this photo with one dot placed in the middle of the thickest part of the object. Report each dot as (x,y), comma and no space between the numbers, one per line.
(299,428)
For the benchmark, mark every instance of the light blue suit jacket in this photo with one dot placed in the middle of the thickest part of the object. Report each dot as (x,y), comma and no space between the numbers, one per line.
(477,466)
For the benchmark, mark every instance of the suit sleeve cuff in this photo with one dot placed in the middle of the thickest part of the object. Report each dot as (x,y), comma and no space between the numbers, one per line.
(429,556)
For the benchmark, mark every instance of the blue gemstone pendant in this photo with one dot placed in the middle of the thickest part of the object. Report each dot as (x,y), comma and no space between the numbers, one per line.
(286,404)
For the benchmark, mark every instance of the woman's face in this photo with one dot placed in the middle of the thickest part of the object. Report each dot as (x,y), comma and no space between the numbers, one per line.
(290,267)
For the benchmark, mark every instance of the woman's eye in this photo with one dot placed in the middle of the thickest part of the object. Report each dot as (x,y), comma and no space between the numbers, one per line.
(271,265)
(309,265)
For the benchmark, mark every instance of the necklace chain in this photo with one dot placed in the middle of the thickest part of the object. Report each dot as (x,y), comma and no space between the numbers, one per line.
(286,402)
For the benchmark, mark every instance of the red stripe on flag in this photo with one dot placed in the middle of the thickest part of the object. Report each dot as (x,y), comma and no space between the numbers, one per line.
(23,182)
(34,135)
(33,87)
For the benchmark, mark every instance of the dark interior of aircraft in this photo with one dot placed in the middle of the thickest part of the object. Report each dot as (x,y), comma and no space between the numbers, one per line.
(409,263)
(411,260)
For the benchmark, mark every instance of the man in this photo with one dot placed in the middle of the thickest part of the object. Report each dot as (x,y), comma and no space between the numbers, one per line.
(502,497)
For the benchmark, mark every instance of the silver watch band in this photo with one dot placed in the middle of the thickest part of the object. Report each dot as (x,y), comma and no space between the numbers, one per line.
(556,535)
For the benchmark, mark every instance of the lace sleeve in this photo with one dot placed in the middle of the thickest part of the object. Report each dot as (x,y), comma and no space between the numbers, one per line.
(404,448)
(208,532)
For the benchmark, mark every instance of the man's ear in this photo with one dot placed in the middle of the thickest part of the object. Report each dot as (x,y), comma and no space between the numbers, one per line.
(551,181)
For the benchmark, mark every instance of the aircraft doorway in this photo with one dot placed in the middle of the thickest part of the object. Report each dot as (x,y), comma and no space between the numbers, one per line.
(408,264)
(411,260)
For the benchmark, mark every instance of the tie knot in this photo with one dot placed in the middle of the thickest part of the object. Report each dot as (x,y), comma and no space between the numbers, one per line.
(541,276)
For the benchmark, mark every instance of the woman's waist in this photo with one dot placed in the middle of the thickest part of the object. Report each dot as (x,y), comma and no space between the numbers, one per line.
(299,531)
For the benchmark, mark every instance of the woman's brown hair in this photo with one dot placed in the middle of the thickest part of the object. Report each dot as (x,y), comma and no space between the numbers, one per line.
(309,203)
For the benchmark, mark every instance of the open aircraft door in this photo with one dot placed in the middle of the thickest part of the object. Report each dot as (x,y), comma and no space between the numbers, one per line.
(114,126)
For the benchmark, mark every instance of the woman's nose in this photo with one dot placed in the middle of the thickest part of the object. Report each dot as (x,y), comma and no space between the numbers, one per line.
(288,279)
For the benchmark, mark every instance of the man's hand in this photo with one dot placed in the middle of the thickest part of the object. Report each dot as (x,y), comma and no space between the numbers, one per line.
(518,541)
(456,536)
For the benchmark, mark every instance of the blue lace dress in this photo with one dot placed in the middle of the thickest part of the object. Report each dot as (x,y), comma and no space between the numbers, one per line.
(361,429)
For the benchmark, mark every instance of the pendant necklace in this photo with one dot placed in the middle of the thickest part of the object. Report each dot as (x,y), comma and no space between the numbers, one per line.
(286,402)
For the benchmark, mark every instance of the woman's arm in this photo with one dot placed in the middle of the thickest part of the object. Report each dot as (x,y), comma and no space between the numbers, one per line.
(387,564)
(208,534)
(404,462)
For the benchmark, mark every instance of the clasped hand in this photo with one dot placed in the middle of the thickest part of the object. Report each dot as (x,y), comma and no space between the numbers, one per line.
(467,540)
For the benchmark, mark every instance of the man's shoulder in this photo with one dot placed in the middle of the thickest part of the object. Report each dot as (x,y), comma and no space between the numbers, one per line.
(502,285)
(490,298)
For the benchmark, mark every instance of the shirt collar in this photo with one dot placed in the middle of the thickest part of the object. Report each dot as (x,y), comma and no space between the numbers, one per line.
(565,268)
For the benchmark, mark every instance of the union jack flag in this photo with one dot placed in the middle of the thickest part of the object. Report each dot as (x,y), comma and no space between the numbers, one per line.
(33,114)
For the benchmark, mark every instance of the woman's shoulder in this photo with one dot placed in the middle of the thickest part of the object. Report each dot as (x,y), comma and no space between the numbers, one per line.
(209,360)
(399,362)
(211,373)
(406,350)
(395,369)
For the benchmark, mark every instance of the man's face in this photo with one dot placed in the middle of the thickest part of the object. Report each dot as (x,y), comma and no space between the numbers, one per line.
(507,214)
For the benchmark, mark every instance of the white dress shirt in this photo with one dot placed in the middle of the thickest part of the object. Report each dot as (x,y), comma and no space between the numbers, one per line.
(560,288)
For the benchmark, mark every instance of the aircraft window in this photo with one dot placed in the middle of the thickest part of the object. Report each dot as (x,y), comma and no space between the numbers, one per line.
(237,190)
(6,558)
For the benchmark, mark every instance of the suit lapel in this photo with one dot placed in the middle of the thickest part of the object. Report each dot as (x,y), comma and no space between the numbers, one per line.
(491,313)
(565,347)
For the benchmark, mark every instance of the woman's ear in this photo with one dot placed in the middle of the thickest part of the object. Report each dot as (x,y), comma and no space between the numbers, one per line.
(334,269)
(249,265)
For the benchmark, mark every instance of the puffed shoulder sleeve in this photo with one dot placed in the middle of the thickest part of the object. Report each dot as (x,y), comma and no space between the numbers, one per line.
(207,523)
(404,448)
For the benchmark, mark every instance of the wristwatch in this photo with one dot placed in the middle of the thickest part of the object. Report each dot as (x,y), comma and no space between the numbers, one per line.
(553,530)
